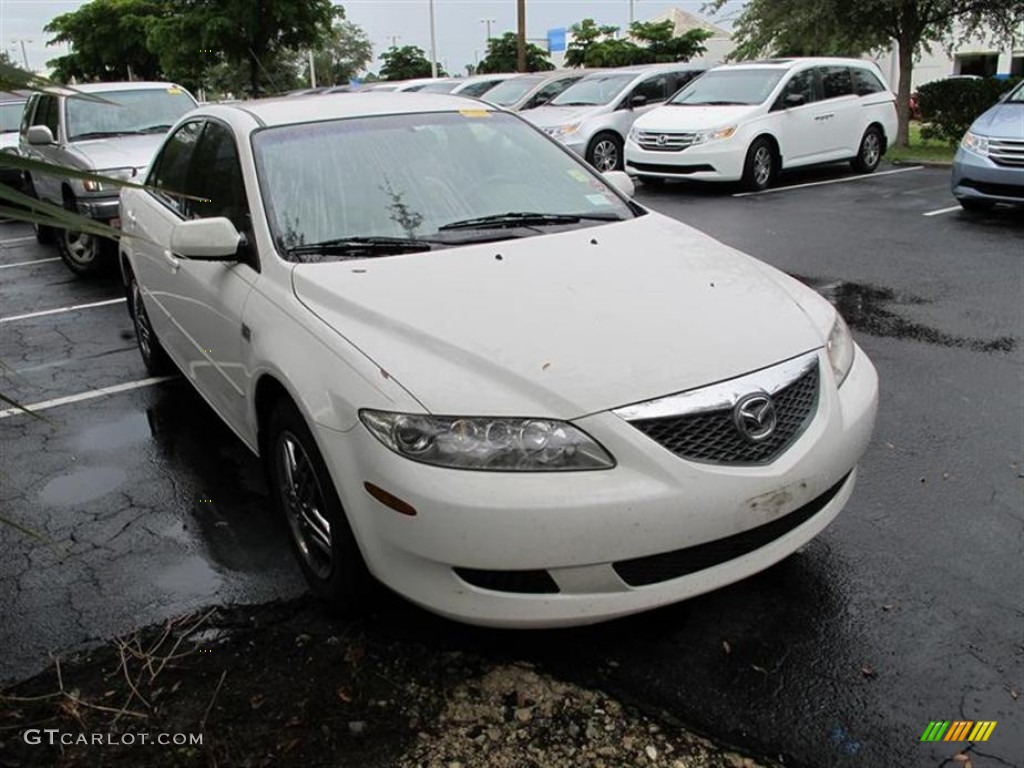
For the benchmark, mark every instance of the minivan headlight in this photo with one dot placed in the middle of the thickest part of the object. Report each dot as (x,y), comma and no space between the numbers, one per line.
(840,349)
(123,174)
(561,131)
(497,444)
(975,143)
(702,137)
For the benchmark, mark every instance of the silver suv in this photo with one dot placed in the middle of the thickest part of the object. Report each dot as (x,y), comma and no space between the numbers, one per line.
(114,134)
(593,116)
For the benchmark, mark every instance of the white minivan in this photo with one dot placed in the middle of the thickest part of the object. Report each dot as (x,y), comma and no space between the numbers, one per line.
(747,122)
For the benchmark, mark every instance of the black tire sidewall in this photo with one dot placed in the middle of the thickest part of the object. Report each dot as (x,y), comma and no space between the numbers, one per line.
(748,182)
(619,149)
(858,162)
(347,586)
(157,362)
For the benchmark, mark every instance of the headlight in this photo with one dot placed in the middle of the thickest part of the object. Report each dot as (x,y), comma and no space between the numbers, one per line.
(499,444)
(561,131)
(975,143)
(840,349)
(116,173)
(702,137)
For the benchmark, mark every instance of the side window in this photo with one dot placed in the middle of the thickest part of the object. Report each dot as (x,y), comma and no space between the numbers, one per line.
(865,83)
(835,82)
(476,89)
(46,114)
(27,114)
(217,178)
(801,84)
(679,79)
(552,89)
(655,89)
(169,175)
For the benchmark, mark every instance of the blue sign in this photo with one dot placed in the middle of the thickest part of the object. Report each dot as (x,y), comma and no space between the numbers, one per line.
(556,40)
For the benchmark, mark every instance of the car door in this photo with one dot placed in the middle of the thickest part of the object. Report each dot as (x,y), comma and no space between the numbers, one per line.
(151,215)
(47,112)
(209,296)
(842,117)
(800,127)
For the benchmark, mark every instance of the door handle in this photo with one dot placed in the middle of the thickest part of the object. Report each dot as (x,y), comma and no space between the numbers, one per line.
(172,261)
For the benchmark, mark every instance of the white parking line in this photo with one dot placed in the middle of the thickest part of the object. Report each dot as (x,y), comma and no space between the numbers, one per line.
(942,210)
(829,181)
(29,263)
(61,310)
(14,240)
(90,395)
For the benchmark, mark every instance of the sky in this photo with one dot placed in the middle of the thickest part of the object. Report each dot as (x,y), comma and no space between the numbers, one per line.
(460,33)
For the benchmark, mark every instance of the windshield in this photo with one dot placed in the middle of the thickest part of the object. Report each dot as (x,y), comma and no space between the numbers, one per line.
(511,91)
(414,176)
(1016,96)
(10,115)
(730,86)
(442,86)
(592,91)
(144,111)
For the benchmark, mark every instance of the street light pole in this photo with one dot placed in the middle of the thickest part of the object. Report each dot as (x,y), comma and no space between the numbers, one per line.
(521,42)
(433,43)
(631,15)
(488,22)
(24,55)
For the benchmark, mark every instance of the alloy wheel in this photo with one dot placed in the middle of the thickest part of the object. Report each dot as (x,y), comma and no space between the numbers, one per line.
(80,247)
(606,155)
(762,166)
(304,505)
(872,150)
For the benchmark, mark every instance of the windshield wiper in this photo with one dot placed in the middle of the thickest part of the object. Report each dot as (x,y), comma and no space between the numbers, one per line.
(101,134)
(154,128)
(360,247)
(526,219)
(573,104)
(710,103)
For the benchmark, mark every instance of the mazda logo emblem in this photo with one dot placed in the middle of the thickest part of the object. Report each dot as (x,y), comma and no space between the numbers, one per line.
(755,417)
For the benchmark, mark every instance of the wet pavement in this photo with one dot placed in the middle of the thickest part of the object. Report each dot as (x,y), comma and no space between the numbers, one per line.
(909,608)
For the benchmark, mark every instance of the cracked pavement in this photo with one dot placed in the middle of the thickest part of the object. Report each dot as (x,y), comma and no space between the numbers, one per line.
(909,608)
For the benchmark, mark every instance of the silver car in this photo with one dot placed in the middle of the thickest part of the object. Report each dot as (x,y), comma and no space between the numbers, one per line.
(989,165)
(474,86)
(113,133)
(533,90)
(593,116)
(12,105)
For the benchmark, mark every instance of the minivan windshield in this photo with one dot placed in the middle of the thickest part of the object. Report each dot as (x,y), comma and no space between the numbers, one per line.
(721,87)
(436,179)
(592,91)
(512,90)
(1016,96)
(149,110)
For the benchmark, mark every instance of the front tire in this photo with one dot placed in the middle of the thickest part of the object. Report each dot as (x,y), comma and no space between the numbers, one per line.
(153,354)
(85,255)
(760,167)
(605,152)
(870,153)
(321,537)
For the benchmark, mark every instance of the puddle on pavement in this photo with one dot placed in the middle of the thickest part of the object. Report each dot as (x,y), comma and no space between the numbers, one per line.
(867,308)
(82,486)
(133,428)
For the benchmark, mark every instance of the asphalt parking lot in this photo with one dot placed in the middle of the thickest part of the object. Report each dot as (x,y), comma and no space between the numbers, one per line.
(910,608)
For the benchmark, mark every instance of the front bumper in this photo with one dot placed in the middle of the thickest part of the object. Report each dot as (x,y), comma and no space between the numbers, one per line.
(581,528)
(101,209)
(978,178)
(714,161)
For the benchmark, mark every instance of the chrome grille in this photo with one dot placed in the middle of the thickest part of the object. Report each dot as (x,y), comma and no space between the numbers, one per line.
(664,141)
(1007,152)
(710,434)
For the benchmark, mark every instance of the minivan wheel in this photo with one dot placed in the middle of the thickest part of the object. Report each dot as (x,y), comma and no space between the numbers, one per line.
(153,355)
(870,153)
(974,205)
(760,166)
(605,152)
(319,530)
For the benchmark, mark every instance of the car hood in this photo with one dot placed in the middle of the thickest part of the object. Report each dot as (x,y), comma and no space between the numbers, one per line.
(120,151)
(1003,121)
(566,324)
(549,117)
(683,118)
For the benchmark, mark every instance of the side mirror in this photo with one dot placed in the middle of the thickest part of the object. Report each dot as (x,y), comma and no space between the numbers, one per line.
(621,181)
(794,100)
(637,101)
(214,239)
(40,136)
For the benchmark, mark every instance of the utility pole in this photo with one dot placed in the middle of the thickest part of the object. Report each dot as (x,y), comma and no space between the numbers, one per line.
(521,42)
(631,16)
(488,22)
(312,70)
(394,40)
(24,55)
(433,42)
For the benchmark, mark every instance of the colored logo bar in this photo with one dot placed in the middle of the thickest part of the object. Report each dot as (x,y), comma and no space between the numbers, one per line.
(958,730)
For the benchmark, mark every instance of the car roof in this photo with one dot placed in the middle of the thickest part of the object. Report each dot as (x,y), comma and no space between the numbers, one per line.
(310,109)
(796,61)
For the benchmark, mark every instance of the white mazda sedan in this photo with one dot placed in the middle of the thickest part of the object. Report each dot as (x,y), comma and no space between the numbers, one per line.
(476,370)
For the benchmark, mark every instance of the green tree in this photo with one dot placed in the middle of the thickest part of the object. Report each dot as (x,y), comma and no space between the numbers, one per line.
(109,40)
(405,63)
(344,52)
(809,27)
(502,56)
(661,45)
(586,34)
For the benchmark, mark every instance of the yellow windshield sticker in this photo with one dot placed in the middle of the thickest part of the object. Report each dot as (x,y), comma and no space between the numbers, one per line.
(577,174)
(174,91)
(475,112)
